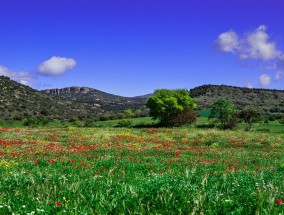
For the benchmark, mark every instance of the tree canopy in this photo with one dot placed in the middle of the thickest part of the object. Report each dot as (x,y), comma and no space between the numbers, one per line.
(249,116)
(225,112)
(166,104)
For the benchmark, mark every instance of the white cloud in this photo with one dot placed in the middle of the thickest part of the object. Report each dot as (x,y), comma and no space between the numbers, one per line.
(227,42)
(254,45)
(264,80)
(21,77)
(259,47)
(56,66)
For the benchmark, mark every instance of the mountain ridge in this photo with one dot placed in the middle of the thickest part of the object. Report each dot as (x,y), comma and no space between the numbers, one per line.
(18,101)
(99,98)
(265,100)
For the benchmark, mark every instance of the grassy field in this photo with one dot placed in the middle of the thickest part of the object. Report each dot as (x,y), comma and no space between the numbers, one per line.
(141,171)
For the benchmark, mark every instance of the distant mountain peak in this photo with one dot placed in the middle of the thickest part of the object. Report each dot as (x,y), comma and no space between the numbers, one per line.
(99,98)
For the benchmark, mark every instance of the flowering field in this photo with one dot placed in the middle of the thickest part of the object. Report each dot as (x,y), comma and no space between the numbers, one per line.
(140,171)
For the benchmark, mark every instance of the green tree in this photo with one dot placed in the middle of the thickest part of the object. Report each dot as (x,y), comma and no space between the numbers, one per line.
(128,113)
(249,116)
(225,112)
(138,113)
(165,104)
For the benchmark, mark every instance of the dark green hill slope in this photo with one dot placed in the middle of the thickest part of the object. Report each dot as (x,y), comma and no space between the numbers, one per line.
(18,101)
(265,100)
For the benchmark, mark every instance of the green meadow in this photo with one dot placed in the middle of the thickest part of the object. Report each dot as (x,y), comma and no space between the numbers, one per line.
(62,169)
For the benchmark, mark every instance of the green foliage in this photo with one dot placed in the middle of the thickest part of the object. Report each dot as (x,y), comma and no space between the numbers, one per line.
(281,121)
(124,123)
(264,100)
(128,113)
(2,123)
(187,116)
(35,122)
(225,112)
(88,122)
(165,104)
(249,116)
(74,119)
(138,113)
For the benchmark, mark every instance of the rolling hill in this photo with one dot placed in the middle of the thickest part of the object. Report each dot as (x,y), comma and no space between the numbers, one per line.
(18,101)
(265,100)
(100,99)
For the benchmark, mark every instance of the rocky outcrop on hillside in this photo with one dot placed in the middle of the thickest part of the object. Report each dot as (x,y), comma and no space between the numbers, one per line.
(68,90)
(98,98)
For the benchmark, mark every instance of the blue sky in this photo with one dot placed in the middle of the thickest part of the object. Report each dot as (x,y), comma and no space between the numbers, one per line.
(131,47)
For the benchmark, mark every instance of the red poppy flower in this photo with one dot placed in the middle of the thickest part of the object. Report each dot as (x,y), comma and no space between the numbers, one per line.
(177,152)
(59,204)
(279,201)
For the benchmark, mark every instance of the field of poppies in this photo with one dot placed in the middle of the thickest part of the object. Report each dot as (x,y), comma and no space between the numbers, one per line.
(140,171)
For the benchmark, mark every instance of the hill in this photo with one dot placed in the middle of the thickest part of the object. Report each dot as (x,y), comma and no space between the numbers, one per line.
(265,100)
(18,101)
(100,99)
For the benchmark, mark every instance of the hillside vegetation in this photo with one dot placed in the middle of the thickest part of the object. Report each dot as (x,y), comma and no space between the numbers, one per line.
(18,101)
(100,99)
(264,100)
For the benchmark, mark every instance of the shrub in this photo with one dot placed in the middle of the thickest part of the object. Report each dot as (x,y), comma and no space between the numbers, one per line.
(128,113)
(249,116)
(281,121)
(35,122)
(2,123)
(166,104)
(124,123)
(88,123)
(184,117)
(225,112)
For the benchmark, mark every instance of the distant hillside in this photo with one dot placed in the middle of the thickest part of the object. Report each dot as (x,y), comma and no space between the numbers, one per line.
(18,101)
(265,100)
(100,99)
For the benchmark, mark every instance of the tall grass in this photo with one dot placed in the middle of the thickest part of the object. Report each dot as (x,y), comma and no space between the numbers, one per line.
(140,171)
